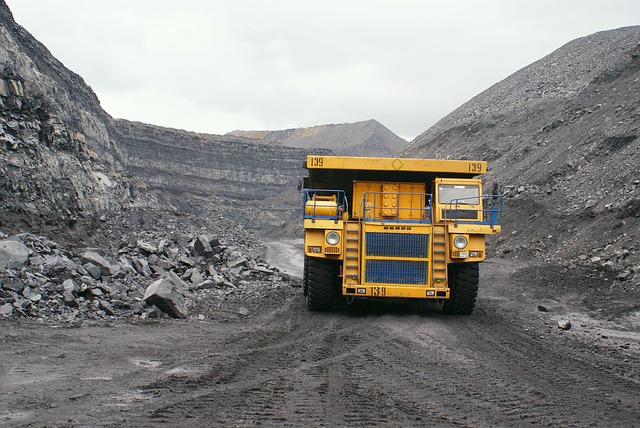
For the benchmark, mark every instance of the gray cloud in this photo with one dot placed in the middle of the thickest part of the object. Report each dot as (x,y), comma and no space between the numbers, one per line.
(215,66)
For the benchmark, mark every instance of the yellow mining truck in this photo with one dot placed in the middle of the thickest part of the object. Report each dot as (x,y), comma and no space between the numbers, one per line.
(395,228)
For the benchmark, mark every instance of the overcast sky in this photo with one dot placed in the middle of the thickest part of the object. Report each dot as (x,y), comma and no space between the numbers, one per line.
(218,65)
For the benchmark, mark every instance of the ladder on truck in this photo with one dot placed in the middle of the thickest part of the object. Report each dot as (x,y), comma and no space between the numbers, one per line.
(351,270)
(439,256)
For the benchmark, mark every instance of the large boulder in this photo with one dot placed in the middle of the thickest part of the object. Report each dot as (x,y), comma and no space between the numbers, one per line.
(166,296)
(13,254)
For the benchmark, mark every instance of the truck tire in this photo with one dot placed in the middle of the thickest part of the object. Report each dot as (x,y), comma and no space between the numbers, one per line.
(322,280)
(463,283)
(305,277)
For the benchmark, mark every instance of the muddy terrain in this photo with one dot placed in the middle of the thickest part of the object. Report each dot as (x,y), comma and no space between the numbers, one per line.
(267,361)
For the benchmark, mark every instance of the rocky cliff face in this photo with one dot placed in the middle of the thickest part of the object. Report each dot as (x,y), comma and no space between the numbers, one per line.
(366,138)
(562,136)
(208,165)
(57,162)
(253,183)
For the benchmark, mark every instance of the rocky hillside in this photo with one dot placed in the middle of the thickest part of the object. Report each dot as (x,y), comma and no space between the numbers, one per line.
(365,138)
(561,136)
(65,163)
(59,167)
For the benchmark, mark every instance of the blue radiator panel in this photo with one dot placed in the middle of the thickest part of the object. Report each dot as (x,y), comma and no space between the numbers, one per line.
(397,244)
(396,272)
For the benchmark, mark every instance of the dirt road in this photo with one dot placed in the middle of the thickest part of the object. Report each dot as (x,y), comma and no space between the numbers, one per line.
(375,363)
(287,255)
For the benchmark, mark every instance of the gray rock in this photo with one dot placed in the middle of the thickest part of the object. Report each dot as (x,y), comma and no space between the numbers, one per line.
(138,308)
(157,270)
(94,271)
(126,265)
(166,296)
(262,270)
(187,261)
(120,304)
(206,285)
(202,246)
(56,263)
(196,277)
(145,246)
(70,286)
(564,324)
(242,261)
(164,263)
(70,299)
(106,307)
(142,266)
(6,310)
(98,260)
(236,271)
(117,272)
(13,255)
(14,285)
(26,292)
(177,281)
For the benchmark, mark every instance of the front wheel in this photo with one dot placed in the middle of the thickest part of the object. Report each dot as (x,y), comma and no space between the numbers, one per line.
(322,282)
(305,277)
(463,283)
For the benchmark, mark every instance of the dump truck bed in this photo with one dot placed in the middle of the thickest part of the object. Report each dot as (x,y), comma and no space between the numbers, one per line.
(458,168)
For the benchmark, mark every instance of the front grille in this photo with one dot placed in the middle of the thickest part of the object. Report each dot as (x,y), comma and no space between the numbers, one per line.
(396,272)
(397,244)
(332,250)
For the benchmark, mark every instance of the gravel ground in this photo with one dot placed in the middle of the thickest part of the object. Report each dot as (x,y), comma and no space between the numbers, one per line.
(265,360)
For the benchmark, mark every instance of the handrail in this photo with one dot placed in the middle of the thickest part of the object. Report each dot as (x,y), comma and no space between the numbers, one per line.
(491,207)
(328,212)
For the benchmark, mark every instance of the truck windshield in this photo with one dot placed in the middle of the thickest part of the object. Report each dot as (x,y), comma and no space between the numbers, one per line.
(467,194)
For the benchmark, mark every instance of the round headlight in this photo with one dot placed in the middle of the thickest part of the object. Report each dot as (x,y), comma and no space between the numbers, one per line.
(460,242)
(333,238)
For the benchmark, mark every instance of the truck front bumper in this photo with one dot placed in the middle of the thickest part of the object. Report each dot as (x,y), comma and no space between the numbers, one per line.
(395,290)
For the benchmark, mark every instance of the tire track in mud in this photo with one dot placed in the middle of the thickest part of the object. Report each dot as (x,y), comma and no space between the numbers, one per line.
(499,375)
(288,377)
(293,368)
(381,364)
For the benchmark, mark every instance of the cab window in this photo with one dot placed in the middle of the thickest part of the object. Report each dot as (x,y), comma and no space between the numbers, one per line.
(467,194)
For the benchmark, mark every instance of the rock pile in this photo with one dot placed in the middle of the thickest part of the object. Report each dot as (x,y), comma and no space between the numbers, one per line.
(41,279)
(600,240)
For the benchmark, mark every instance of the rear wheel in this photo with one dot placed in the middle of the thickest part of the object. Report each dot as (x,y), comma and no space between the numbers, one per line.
(463,283)
(322,283)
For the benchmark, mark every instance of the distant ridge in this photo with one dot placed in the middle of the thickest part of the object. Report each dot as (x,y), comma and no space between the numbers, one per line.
(365,138)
